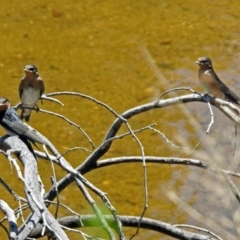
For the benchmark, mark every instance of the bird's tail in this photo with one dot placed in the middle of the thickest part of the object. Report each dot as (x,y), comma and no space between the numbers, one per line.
(25,114)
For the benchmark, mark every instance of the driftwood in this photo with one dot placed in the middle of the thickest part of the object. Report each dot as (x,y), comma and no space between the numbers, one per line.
(41,222)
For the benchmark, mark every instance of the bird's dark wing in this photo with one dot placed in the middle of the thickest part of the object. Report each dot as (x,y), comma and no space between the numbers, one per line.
(231,96)
(228,93)
(42,87)
(14,124)
(20,90)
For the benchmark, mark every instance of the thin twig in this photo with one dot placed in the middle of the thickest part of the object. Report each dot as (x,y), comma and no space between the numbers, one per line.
(89,98)
(177,89)
(166,139)
(59,116)
(54,179)
(75,148)
(207,131)
(197,228)
(70,122)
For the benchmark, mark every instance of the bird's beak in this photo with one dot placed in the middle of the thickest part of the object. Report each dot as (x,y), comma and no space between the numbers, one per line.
(197,62)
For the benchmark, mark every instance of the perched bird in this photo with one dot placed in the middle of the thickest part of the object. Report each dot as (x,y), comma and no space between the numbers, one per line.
(13,125)
(211,82)
(31,89)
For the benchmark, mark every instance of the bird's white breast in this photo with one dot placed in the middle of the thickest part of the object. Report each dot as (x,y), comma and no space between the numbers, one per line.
(30,96)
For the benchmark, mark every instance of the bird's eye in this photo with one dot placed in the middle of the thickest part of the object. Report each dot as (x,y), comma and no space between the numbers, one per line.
(31,69)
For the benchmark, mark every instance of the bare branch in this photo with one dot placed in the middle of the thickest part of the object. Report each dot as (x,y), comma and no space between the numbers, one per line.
(12,222)
(127,221)
(32,191)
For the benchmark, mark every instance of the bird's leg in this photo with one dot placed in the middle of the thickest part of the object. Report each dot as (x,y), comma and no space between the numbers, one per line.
(36,108)
(207,97)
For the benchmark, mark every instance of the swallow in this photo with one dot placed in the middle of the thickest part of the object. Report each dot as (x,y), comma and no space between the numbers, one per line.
(31,89)
(212,83)
(13,125)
